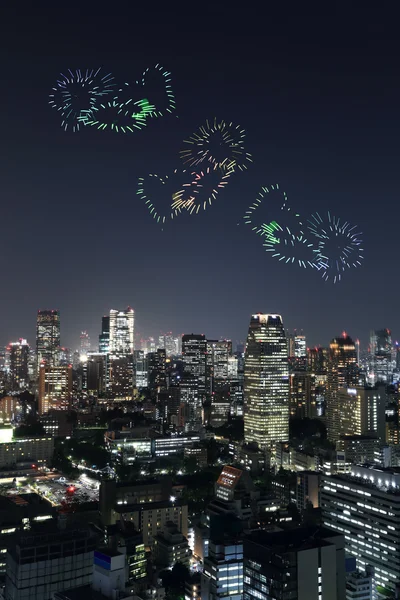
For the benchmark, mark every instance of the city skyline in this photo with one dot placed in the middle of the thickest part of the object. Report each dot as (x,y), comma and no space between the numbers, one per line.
(316,122)
(74,334)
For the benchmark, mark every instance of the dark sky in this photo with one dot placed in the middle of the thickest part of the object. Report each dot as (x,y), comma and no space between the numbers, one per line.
(318,94)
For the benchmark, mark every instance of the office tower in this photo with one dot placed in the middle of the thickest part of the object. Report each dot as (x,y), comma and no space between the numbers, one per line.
(157,378)
(358,351)
(300,346)
(381,355)
(140,370)
(218,354)
(45,560)
(55,387)
(122,331)
(365,507)
(19,358)
(358,411)
(222,575)
(173,404)
(48,337)
(65,357)
(342,372)
(316,361)
(84,343)
(307,489)
(94,374)
(169,343)
(120,376)
(302,395)
(233,366)
(193,382)
(266,382)
(104,337)
(220,407)
(297,347)
(306,563)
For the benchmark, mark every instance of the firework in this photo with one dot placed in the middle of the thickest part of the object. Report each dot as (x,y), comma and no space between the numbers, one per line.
(338,246)
(76,94)
(179,187)
(207,184)
(218,143)
(283,235)
(125,117)
(157,83)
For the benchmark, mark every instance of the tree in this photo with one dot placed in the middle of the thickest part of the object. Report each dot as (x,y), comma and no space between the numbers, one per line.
(29,430)
(174,581)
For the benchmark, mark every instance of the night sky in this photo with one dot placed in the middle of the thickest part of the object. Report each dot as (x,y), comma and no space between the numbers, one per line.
(319,97)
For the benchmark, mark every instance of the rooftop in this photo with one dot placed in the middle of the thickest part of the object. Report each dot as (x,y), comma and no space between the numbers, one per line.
(289,540)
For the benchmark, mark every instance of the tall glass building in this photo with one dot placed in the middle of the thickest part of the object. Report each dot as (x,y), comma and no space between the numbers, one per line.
(342,372)
(266,382)
(48,337)
(122,331)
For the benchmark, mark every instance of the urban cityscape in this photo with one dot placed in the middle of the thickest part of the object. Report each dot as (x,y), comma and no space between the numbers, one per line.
(184,467)
(200,332)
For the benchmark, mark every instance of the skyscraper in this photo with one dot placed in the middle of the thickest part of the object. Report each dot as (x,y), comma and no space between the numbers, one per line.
(266,382)
(84,343)
(140,369)
(122,331)
(342,372)
(218,353)
(193,383)
(381,355)
(104,337)
(55,387)
(19,358)
(169,343)
(48,337)
(365,507)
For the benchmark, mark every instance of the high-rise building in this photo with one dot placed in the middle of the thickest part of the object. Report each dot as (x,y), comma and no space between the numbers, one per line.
(169,343)
(266,382)
(300,346)
(358,411)
(120,379)
(122,331)
(48,337)
(342,372)
(316,360)
(218,354)
(94,374)
(66,357)
(306,563)
(302,395)
(365,507)
(104,337)
(45,560)
(55,387)
(157,379)
(84,343)
(381,355)
(297,347)
(19,359)
(140,370)
(193,383)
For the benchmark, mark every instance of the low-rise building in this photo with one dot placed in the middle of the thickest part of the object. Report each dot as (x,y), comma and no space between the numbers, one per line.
(38,450)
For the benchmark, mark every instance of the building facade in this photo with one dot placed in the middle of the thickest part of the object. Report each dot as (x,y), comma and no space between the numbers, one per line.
(266,382)
(48,337)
